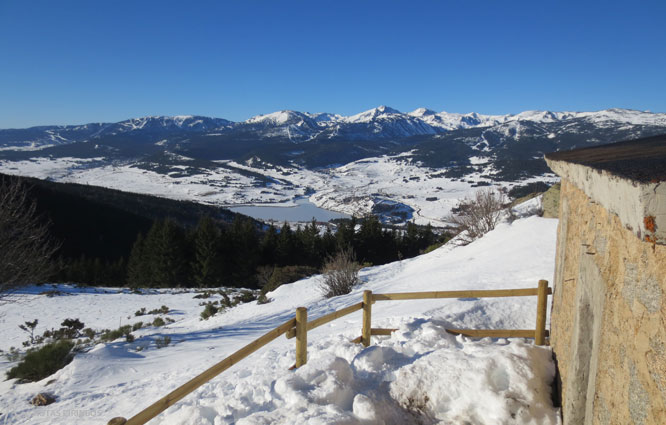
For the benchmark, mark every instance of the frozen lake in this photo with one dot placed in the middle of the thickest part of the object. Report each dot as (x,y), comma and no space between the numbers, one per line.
(304,210)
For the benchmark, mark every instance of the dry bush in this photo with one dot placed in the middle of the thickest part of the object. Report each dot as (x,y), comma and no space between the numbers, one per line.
(162,342)
(340,273)
(25,245)
(281,275)
(474,217)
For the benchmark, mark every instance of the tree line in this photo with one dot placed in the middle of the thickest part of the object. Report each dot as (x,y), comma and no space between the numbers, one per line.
(88,235)
(236,255)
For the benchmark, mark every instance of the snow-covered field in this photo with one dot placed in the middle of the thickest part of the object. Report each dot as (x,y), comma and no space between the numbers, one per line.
(351,189)
(420,374)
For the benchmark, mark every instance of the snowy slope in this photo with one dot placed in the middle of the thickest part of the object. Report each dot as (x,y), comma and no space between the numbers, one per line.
(399,166)
(466,381)
(37,138)
(384,122)
(357,188)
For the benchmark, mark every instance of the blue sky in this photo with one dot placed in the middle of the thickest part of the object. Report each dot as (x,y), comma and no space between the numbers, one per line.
(69,62)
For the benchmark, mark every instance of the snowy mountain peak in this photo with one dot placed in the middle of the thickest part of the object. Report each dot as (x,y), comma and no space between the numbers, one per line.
(325,117)
(422,112)
(539,116)
(279,117)
(188,122)
(387,110)
(375,113)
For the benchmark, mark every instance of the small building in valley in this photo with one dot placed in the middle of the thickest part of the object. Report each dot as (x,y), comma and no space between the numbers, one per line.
(608,320)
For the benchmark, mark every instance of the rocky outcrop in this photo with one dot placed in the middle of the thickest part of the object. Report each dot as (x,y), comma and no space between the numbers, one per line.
(42,399)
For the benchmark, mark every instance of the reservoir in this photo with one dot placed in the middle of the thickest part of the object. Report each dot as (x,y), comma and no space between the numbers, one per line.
(304,210)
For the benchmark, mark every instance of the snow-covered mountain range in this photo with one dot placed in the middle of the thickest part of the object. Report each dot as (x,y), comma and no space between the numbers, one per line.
(414,164)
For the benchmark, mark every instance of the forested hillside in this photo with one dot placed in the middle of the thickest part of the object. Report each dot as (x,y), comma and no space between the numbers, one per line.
(108,237)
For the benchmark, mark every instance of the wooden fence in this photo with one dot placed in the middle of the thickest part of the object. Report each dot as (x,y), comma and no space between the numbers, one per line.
(299,326)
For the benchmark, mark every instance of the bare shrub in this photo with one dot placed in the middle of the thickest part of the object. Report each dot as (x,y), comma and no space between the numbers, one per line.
(264,274)
(474,217)
(162,342)
(340,273)
(29,328)
(162,310)
(25,245)
(287,274)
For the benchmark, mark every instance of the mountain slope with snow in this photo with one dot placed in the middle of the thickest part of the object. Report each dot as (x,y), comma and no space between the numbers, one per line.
(382,122)
(37,138)
(420,374)
(405,166)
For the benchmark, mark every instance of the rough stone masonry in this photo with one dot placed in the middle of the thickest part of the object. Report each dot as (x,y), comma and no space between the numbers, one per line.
(608,321)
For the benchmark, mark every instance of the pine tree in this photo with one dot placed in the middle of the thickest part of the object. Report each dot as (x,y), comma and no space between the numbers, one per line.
(168,254)
(269,246)
(207,266)
(161,258)
(243,244)
(410,241)
(138,267)
(312,245)
(285,249)
(427,237)
(346,235)
(328,244)
(370,240)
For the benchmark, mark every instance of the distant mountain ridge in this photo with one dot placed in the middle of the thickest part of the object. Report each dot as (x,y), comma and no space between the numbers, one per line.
(273,157)
(381,123)
(45,136)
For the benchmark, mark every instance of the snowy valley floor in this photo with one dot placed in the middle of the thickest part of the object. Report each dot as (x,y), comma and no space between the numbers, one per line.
(419,375)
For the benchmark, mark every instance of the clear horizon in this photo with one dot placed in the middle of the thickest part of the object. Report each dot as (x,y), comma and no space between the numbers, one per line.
(80,62)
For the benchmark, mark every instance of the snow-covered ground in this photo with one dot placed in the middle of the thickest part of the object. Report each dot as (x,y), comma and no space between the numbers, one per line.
(420,374)
(352,189)
(218,186)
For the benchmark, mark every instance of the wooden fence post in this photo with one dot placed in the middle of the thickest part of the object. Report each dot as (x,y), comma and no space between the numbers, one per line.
(301,336)
(367,318)
(542,305)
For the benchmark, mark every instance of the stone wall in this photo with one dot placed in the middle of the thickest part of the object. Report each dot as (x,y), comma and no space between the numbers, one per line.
(608,321)
(550,202)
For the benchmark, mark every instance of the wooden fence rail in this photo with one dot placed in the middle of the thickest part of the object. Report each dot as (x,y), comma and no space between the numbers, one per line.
(490,293)
(191,385)
(328,318)
(299,326)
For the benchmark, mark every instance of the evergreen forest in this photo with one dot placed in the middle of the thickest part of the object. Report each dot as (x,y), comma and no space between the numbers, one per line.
(112,238)
(239,255)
